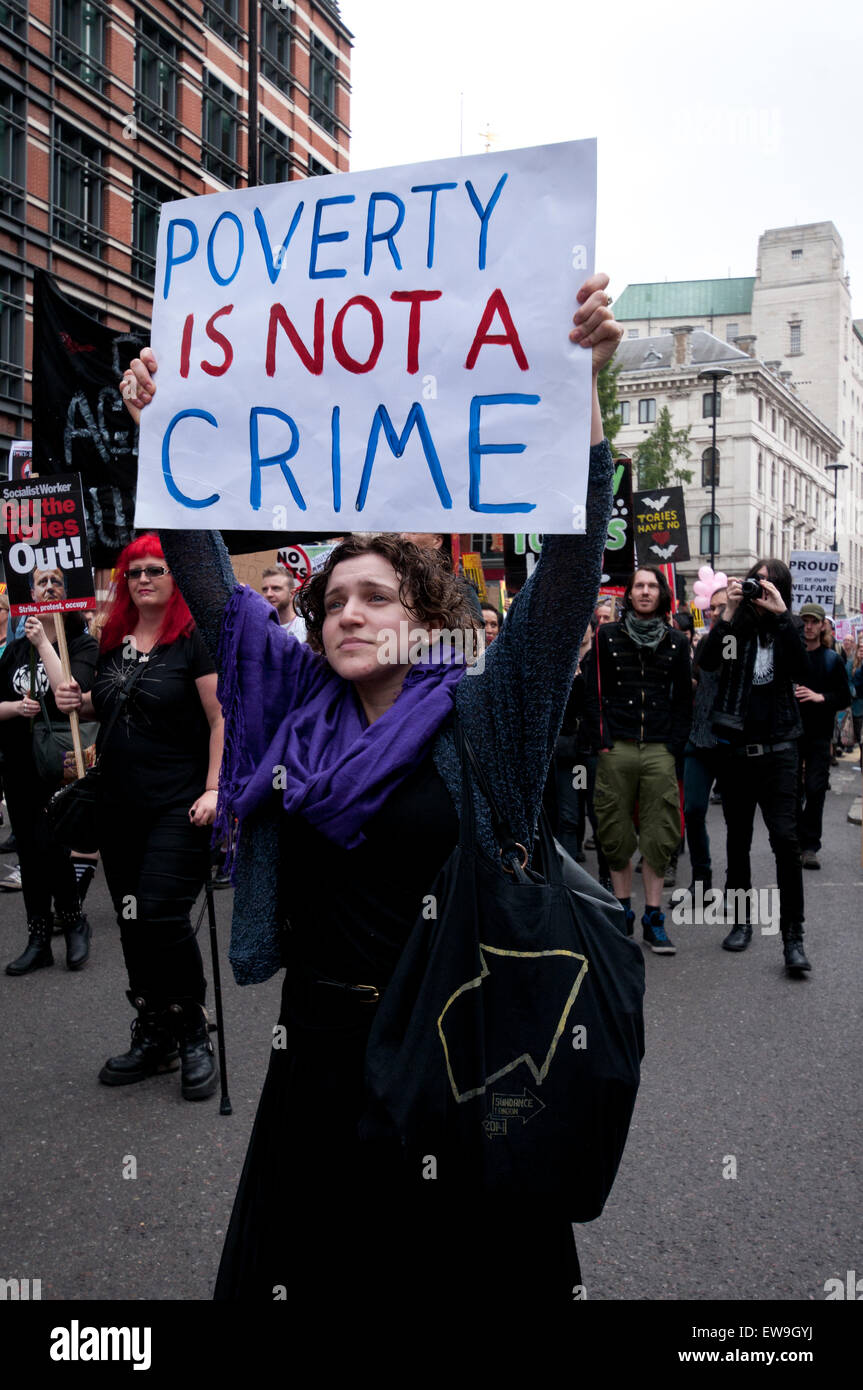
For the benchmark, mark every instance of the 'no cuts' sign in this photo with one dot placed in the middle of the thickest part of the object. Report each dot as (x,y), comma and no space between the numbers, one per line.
(375,351)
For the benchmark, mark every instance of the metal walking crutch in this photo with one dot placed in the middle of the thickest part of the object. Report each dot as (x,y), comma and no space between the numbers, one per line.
(208,906)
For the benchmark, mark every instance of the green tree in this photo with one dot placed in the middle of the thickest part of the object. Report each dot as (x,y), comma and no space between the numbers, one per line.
(606,385)
(659,457)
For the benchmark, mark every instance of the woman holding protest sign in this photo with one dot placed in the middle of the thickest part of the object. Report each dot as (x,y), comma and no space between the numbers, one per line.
(33,771)
(159,752)
(361,750)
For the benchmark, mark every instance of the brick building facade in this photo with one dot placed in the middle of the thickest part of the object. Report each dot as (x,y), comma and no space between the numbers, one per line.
(109,109)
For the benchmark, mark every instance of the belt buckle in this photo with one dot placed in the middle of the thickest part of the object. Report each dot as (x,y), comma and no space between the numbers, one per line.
(754,750)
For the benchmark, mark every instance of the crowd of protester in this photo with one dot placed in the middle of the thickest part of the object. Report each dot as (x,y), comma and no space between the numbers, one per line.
(753,704)
(652,710)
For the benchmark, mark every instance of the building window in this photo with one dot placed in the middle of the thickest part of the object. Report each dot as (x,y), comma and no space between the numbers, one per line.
(706,520)
(220,123)
(647,410)
(731,332)
(796,337)
(276,48)
(13,18)
(275,153)
(797,254)
(772,538)
(773,480)
(11,335)
(632,332)
(146,206)
(12,145)
(78,188)
(760,408)
(710,468)
(758,535)
(707,405)
(785,430)
(316,168)
(156,80)
(773,421)
(80,40)
(221,17)
(322,84)
(623,412)
(760,472)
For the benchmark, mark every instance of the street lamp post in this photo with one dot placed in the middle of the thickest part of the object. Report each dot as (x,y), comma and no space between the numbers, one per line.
(835,469)
(714,374)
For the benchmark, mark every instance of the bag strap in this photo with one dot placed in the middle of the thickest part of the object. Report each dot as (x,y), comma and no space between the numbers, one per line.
(122,698)
(513,854)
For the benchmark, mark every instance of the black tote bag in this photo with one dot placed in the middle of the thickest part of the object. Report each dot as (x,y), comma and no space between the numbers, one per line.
(507,1045)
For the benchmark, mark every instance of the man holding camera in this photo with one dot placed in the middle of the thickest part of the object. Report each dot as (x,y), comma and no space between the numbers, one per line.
(759,654)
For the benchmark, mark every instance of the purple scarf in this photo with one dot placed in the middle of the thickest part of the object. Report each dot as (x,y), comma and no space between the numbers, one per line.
(295,727)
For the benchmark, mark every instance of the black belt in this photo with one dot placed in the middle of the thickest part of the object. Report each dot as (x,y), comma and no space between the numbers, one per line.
(756,750)
(364,994)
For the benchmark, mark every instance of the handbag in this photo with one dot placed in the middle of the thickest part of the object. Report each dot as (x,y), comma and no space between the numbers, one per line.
(72,810)
(52,740)
(508,1042)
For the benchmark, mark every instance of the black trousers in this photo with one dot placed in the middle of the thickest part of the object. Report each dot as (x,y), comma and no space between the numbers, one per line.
(47,875)
(814,779)
(156,863)
(769,783)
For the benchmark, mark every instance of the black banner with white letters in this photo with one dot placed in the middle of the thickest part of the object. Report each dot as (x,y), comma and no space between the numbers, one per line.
(80,424)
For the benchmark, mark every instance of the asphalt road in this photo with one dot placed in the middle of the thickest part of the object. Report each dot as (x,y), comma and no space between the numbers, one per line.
(745,1070)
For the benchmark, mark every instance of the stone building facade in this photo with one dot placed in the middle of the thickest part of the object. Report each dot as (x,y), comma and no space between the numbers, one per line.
(773,494)
(795,315)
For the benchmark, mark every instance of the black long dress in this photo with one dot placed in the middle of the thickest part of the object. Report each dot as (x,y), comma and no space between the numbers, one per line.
(320,1215)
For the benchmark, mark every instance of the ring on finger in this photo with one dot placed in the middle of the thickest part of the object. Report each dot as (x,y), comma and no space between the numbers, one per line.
(608,300)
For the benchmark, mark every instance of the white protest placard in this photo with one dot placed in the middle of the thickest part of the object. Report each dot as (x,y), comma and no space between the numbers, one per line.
(375,351)
(813,575)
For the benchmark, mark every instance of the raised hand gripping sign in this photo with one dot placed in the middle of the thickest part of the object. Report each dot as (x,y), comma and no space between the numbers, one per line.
(375,351)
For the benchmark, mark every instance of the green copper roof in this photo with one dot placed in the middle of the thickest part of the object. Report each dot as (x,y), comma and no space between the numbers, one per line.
(685,299)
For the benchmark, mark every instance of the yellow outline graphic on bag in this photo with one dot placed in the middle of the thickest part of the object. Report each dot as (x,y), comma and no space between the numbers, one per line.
(539,1073)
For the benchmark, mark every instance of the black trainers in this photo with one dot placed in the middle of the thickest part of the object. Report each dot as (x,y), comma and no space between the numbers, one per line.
(654,933)
(809,859)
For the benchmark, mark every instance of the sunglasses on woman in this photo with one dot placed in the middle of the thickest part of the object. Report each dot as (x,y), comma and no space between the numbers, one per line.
(151,571)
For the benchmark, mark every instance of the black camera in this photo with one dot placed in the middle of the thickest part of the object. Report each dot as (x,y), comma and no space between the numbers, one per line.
(751,588)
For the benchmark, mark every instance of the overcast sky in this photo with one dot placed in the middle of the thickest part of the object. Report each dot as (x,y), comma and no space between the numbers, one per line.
(714,122)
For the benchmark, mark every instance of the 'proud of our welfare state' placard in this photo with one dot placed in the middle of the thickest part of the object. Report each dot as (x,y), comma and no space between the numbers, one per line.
(375,351)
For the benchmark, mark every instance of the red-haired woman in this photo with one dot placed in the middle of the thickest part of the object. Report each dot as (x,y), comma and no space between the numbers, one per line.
(159,768)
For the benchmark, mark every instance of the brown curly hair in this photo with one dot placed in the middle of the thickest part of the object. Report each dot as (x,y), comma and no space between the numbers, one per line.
(427,588)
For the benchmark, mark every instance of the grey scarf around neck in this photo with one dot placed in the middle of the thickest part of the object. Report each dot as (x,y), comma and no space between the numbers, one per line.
(644,632)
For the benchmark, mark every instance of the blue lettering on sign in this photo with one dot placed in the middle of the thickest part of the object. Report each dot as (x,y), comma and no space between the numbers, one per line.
(484,213)
(319,237)
(175,492)
(476,451)
(211,241)
(275,266)
(398,444)
(282,459)
(388,236)
(433,189)
(336,456)
(170,258)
